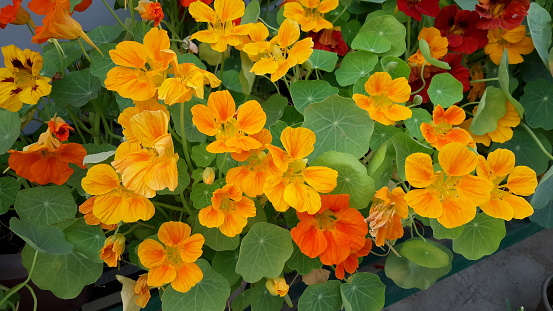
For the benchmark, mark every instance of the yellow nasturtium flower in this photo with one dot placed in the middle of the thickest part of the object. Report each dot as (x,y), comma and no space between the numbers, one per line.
(515,41)
(188,80)
(504,130)
(310,13)
(442,131)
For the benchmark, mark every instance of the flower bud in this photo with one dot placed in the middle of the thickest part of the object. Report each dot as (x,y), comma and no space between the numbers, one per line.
(417,100)
(208,175)
(112,250)
(277,286)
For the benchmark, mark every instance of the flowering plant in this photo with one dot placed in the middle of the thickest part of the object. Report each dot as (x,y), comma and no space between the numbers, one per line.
(222,147)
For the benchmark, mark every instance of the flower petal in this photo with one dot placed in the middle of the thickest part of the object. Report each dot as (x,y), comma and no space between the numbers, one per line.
(419,171)
(456,160)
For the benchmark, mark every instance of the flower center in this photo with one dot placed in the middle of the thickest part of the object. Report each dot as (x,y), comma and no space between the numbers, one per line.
(173,256)
(326,220)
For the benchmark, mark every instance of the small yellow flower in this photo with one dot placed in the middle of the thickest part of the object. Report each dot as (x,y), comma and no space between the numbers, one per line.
(277,286)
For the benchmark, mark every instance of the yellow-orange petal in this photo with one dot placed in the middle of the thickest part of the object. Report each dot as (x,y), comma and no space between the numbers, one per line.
(160,275)
(498,208)
(222,106)
(456,160)
(148,126)
(233,225)
(129,54)
(151,253)
(211,217)
(251,117)
(288,33)
(187,276)
(456,212)
(399,90)
(229,10)
(299,142)
(204,120)
(172,233)
(522,181)
(322,179)
(501,162)
(274,189)
(100,179)
(130,83)
(302,197)
(476,189)
(191,248)
(378,83)
(302,50)
(202,13)
(418,170)
(521,207)
(425,202)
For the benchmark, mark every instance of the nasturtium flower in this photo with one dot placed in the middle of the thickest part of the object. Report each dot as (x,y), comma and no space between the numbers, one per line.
(150,11)
(281,53)
(386,213)
(441,131)
(125,117)
(220,27)
(173,260)
(332,232)
(142,291)
(89,218)
(459,27)
(384,96)
(329,40)
(504,130)
(476,88)
(351,263)
(450,195)
(416,8)
(438,46)
(113,247)
(505,201)
(220,119)
(141,68)
(43,7)
(310,13)
(14,14)
(21,82)
(297,185)
(515,41)
(505,14)
(114,203)
(188,80)
(229,211)
(277,286)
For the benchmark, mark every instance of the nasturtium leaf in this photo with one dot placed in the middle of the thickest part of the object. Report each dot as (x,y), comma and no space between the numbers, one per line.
(263,252)
(339,125)
(301,263)
(98,157)
(323,60)
(224,263)
(350,30)
(544,216)
(274,108)
(123,102)
(9,129)
(538,104)
(425,51)
(225,162)
(389,28)
(543,194)
(101,64)
(202,157)
(503,78)
(352,177)
(210,293)
(490,110)
(321,297)
(305,93)
(467,4)
(64,275)
(191,131)
(45,205)
(76,88)
(93,149)
(43,238)
(381,164)
(526,150)
(406,274)
(539,25)
(53,62)
(215,239)
(201,193)
(104,34)
(359,86)
(251,13)
(183,178)
(413,124)
(381,134)
(480,237)
(405,146)
(291,116)
(86,239)
(371,42)
(441,232)
(231,80)
(354,66)
(424,254)
(262,300)
(8,191)
(445,90)
(191,58)
(395,66)
(242,300)
(364,292)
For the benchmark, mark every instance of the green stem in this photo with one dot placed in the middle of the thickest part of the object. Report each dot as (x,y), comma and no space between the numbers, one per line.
(160,209)
(339,15)
(168,206)
(184,205)
(35,301)
(423,81)
(84,50)
(19,286)
(116,17)
(171,29)
(61,55)
(132,13)
(484,80)
(468,104)
(268,26)
(183,137)
(96,129)
(108,128)
(408,51)
(80,123)
(536,139)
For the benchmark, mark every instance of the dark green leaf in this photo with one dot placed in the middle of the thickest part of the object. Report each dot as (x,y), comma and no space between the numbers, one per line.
(9,129)
(45,205)
(76,88)
(43,238)
(365,292)
(321,297)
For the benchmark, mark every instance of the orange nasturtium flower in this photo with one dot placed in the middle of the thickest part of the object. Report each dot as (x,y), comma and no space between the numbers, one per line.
(281,53)
(385,93)
(441,132)
(150,11)
(310,13)
(188,80)
(505,201)
(141,67)
(351,263)
(142,291)
(48,160)
(21,82)
(331,233)
(386,213)
(504,130)
(515,41)
(437,43)
(220,28)
(14,14)
(450,195)
(218,119)
(87,210)
(229,211)
(114,203)
(174,260)
(288,187)
(112,250)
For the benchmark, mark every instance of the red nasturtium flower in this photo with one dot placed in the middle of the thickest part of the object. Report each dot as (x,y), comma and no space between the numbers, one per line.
(351,263)
(150,11)
(505,14)
(459,27)
(329,40)
(331,233)
(187,3)
(416,8)
(43,7)
(441,132)
(113,247)
(14,14)
(174,260)
(386,213)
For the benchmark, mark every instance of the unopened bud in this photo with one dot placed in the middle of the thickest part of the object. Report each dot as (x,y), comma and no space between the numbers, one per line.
(208,175)
(391,66)
(277,286)
(417,100)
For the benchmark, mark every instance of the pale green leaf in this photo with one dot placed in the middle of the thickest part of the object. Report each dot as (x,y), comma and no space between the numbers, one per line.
(45,205)
(321,297)
(424,254)
(304,93)
(323,60)
(364,292)
(43,238)
(445,90)
(480,237)
(354,66)
(491,108)
(9,129)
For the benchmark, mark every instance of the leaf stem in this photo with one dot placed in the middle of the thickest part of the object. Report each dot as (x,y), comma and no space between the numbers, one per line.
(484,80)
(84,50)
(536,139)
(183,137)
(116,17)
(20,285)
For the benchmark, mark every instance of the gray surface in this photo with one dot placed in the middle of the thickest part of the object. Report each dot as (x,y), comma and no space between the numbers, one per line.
(515,274)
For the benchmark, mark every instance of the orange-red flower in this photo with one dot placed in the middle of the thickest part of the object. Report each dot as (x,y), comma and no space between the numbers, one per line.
(450,195)
(515,41)
(310,13)
(229,211)
(174,260)
(351,263)
(505,201)
(329,40)
(14,14)
(331,233)
(386,213)
(441,132)
(384,96)
(288,187)
(150,11)
(112,250)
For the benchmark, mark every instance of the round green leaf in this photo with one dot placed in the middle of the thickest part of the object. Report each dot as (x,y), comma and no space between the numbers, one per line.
(350,30)
(262,300)
(389,28)
(75,89)
(544,216)
(64,275)
(413,124)
(48,239)
(321,297)
(538,104)
(352,177)
(503,78)
(224,263)
(9,129)
(291,116)
(274,108)
(263,252)
(301,263)
(215,239)
(87,240)
(354,66)
(441,232)
(381,134)
(54,63)
(539,24)
(323,60)
(340,125)
(405,146)
(544,191)
(381,164)
(490,110)
(445,90)
(251,14)
(424,254)
(201,193)
(242,301)
(211,293)
(406,274)
(8,191)
(105,34)
(364,292)
(202,157)
(371,42)
(45,205)
(480,237)
(305,93)
(101,64)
